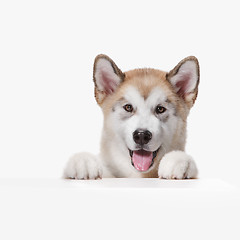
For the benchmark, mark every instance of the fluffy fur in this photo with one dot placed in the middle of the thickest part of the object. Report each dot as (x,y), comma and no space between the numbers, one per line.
(143,103)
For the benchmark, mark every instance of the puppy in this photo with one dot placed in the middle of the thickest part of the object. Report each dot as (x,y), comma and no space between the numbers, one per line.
(145,116)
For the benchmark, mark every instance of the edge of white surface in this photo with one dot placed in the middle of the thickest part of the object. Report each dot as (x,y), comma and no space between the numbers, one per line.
(120,183)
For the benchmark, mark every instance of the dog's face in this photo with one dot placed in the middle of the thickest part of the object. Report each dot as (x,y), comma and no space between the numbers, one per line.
(144,107)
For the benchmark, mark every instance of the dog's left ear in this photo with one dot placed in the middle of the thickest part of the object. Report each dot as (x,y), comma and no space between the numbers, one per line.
(107,77)
(185,79)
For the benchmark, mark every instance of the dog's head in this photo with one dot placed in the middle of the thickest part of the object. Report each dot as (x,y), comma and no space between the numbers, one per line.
(145,110)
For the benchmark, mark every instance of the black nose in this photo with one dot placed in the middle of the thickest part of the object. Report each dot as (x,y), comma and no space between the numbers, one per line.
(142,136)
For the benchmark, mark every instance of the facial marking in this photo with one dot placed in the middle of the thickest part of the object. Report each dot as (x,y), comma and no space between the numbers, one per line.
(119,107)
(144,106)
(156,96)
(133,96)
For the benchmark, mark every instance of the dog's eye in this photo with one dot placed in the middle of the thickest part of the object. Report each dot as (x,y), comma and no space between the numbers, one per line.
(128,107)
(160,109)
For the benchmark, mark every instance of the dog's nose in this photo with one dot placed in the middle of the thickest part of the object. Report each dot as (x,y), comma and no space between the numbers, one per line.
(142,136)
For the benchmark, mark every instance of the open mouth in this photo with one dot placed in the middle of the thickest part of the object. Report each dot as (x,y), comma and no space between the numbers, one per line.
(142,160)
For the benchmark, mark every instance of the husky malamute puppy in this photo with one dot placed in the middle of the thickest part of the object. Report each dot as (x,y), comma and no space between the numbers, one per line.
(145,116)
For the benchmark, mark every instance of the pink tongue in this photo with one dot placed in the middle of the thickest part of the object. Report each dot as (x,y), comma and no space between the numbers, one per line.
(142,160)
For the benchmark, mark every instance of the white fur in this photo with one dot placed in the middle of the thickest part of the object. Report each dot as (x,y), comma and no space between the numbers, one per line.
(83,166)
(177,165)
(117,136)
(156,96)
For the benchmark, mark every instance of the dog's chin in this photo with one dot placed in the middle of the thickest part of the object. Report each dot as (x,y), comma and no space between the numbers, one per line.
(142,160)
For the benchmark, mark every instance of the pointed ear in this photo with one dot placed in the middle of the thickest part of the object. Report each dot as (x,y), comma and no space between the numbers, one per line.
(106,76)
(185,79)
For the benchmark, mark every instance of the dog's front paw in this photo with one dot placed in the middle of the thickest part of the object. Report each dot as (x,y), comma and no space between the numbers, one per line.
(177,165)
(83,166)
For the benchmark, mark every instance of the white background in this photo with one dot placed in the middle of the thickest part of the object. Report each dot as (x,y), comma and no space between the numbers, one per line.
(47,49)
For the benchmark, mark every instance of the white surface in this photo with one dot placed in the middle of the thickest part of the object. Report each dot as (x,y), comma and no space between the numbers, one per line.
(118,209)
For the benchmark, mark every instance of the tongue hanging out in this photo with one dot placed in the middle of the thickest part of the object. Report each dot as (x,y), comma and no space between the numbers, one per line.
(142,160)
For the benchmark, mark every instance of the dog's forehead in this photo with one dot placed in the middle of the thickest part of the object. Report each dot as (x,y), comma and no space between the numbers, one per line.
(147,85)
(134,96)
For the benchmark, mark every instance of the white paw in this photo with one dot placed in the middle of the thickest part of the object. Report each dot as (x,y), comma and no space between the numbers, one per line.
(177,165)
(83,166)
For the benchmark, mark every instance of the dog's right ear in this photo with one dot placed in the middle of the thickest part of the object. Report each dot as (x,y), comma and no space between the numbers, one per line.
(106,76)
